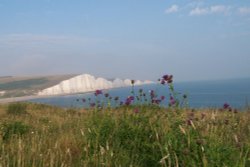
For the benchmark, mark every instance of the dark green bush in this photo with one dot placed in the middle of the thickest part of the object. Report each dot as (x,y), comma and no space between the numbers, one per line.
(17,108)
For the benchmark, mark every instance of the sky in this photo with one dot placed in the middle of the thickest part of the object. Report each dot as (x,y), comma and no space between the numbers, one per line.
(140,39)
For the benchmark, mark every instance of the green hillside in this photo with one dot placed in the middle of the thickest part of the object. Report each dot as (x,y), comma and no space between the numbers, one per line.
(23,86)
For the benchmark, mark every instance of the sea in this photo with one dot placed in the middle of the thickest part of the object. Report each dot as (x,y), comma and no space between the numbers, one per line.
(200,94)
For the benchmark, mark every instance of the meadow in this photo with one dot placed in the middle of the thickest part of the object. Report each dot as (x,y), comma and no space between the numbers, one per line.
(128,134)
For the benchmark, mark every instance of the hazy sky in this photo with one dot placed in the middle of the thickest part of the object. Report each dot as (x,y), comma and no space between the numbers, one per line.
(142,39)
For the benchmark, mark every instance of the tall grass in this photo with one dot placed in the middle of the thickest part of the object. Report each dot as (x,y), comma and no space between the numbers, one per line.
(142,135)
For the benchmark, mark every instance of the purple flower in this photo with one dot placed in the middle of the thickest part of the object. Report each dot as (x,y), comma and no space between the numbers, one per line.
(106,95)
(131,98)
(83,100)
(226,106)
(116,98)
(127,102)
(165,77)
(172,100)
(132,82)
(155,101)
(163,82)
(168,78)
(98,92)
(152,94)
(162,97)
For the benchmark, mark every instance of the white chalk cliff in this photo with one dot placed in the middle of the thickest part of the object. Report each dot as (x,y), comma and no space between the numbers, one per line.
(86,83)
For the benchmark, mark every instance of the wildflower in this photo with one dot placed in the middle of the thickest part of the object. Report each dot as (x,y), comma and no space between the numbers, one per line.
(77,100)
(155,101)
(184,96)
(168,78)
(106,95)
(129,100)
(172,100)
(226,106)
(152,94)
(132,82)
(165,77)
(83,100)
(163,82)
(162,97)
(116,98)
(98,92)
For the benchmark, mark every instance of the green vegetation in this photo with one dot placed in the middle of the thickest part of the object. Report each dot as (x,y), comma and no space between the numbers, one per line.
(26,86)
(142,135)
(22,84)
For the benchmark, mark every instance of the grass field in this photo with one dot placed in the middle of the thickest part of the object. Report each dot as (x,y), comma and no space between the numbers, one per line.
(36,135)
(25,86)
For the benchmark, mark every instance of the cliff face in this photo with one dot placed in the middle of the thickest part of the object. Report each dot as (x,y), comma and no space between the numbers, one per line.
(86,83)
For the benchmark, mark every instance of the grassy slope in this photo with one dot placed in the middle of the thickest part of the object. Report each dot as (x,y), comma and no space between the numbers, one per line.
(22,86)
(50,136)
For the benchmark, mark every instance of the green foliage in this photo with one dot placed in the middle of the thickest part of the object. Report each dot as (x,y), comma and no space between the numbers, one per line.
(131,135)
(14,128)
(17,108)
